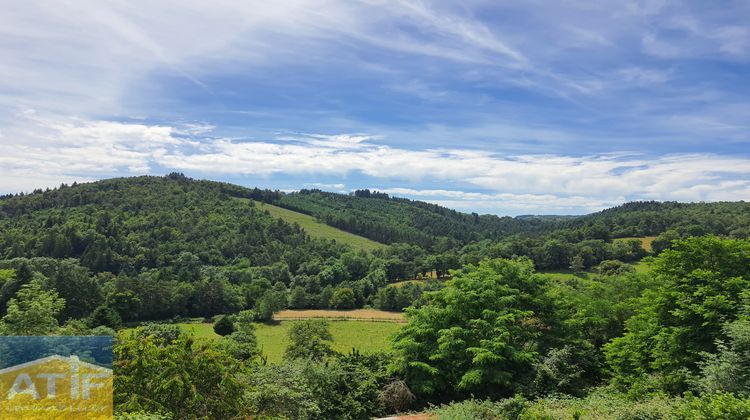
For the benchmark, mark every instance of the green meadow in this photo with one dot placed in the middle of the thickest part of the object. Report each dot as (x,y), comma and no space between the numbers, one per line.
(317,229)
(365,336)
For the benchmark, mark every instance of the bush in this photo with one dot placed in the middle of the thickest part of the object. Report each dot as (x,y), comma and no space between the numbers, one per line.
(160,334)
(105,316)
(614,268)
(714,406)
(343,388)
(565,370)
(728,370)
(309,339)
(242,345)
(469,410)
(223,326)
(600,404)
(396,396)
(281,390)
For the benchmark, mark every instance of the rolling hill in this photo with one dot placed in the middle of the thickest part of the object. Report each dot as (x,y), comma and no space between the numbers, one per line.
(317,229)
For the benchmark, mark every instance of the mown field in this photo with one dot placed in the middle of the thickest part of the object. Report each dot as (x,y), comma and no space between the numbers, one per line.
(354,314)
(365,336)
(320,230)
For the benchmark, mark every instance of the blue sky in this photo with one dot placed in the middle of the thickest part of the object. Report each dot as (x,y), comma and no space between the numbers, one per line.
(497,107)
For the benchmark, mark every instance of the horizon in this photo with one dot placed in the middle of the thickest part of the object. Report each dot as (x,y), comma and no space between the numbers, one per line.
(506,109)
(351,192)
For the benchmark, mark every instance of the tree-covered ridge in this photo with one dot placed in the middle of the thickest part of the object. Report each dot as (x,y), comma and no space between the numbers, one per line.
(148,222)
(390,219)
(651,218)
(160,247)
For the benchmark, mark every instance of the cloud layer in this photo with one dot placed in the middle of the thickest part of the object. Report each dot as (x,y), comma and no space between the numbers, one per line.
(502,107)
(517,183)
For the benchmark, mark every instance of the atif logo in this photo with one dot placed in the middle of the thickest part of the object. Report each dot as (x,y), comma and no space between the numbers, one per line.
(56,387)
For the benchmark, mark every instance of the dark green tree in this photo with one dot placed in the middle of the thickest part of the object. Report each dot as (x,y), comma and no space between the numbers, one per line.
(310,340)
(223,326)
(343,298)
(105,316)
(476,335)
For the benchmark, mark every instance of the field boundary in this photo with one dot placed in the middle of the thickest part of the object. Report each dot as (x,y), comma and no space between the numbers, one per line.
(341,318)
(372,315)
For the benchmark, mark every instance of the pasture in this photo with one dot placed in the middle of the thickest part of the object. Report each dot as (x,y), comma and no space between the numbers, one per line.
(646,241)
(354,314)
(365,336)
(317,229)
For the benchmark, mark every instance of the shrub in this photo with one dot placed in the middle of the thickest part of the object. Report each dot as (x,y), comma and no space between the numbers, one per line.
(105,316)
(396,396)
(159,334)
(223,326)
(309,339)
(723,406)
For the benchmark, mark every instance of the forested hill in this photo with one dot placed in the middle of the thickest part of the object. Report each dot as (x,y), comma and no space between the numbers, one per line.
(157,247)
(391,219)
(150,222)
(651,218)
(379,217)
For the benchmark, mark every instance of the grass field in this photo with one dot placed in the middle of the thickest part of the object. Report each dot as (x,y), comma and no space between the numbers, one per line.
(403,282)
(317,229)
(565,274)
(365,336)
(354,314)
(646,241)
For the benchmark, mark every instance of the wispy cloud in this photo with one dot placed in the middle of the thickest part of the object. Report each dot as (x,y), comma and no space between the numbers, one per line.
(520,182)
(529,104)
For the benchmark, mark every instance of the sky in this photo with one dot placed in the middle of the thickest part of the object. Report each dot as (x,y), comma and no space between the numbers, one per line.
(502,107)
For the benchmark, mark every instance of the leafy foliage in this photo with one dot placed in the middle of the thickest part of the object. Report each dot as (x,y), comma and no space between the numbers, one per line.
(223,326)
(309,340)
(477,335)
(184,379)
(33,311)
(703,280)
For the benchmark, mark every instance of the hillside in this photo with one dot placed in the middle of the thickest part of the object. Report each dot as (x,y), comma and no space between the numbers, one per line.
(391,219)
(552,243)
(386,219)
(650,218)
(320,230)
(159,247)
(145,222)
(165,246)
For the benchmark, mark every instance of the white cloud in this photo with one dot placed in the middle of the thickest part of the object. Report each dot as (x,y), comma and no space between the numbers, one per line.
(86,64)
(42,151)
(327,187)
(71,148)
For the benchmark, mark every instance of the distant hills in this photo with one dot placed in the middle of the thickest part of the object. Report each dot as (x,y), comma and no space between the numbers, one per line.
(369,214)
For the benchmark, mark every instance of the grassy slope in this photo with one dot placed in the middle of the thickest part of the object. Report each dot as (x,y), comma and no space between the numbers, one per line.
(365,336)
(320,230)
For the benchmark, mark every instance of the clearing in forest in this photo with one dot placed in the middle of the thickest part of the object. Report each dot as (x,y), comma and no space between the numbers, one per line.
(318,229)
(365,336)
(646,241)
